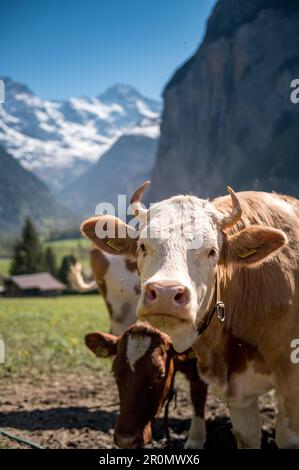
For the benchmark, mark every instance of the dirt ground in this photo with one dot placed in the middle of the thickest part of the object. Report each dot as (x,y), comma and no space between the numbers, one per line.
(79,411)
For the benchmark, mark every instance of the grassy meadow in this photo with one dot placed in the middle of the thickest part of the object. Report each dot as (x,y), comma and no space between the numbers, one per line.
(4,266)
(44,335)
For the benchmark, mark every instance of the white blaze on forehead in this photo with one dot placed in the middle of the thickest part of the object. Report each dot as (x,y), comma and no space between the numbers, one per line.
(137,346)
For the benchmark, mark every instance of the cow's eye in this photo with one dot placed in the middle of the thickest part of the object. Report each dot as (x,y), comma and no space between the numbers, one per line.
(212,253)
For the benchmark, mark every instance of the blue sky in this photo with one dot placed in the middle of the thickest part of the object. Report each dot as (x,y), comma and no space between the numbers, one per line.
(80,47)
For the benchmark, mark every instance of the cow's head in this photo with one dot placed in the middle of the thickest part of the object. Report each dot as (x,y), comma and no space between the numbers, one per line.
(144,370)
(179,244)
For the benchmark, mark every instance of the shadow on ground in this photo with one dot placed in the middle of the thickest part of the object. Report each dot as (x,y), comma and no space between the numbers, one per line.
(219,433)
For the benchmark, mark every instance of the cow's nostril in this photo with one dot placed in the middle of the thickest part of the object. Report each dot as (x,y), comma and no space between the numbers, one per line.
(178,296)
(181,297)
(153,294)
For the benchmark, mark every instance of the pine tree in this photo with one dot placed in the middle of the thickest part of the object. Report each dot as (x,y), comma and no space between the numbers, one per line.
(28,252)
(18,264)
(50,261)
(67,262)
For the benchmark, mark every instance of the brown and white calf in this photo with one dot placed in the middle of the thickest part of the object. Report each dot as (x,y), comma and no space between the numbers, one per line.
(144,369)
(243,250)
(118,280)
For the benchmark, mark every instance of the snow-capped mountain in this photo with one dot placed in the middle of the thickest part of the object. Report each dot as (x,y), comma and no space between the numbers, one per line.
(58,140)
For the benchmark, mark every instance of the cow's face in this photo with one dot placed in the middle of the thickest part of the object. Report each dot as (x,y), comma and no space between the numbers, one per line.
(143,369)
(179,245)
(177,254)
(118,280)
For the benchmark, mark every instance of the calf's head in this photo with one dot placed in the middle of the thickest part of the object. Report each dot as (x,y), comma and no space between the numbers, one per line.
(178,246)
(144,370)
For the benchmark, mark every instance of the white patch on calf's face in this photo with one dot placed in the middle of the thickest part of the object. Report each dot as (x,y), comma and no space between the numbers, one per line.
(137,346)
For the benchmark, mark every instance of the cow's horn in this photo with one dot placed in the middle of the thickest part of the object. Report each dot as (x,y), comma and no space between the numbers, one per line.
(135,201)
(235,215)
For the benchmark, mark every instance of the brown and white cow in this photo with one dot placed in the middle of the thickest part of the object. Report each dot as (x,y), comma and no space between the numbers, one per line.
(144,369)
(118,280)
(247,244)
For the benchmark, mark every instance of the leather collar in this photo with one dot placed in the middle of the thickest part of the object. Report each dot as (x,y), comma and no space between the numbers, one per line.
(218,307)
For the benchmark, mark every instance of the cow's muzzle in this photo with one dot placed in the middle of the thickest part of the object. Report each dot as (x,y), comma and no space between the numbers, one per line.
(133,440)
(128,442)
(169,297)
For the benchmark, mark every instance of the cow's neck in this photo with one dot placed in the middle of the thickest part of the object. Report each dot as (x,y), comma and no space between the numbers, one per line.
(216,307)
(255,304)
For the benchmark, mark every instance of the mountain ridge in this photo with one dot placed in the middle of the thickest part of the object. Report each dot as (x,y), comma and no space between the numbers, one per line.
(60,139)
(23,195)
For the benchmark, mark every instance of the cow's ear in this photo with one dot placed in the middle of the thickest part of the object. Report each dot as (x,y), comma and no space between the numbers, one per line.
(102,344)
(255,243)
(111,234)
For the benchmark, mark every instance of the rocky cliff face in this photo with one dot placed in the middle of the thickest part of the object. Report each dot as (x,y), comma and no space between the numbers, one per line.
(228,118)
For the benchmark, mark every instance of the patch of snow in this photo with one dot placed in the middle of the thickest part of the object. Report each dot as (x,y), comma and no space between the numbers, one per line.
(145,111)
(47,135)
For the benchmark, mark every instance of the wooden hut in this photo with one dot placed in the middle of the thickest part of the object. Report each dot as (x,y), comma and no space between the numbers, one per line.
(33,284)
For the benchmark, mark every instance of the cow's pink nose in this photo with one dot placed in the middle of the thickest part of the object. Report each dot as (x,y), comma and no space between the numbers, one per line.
(158,293)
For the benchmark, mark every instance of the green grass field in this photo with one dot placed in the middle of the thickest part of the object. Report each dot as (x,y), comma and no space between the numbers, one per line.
(44,335)
(4,266)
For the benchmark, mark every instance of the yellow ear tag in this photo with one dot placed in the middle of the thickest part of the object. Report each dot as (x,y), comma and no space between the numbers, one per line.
(114,244)
(244,254)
